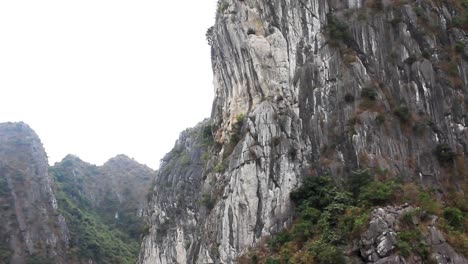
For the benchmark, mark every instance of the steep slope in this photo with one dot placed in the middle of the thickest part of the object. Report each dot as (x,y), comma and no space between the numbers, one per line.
(32,230)
(308,88)
(103,206)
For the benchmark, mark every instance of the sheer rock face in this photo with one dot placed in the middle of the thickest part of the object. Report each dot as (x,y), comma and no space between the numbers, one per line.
(175,204)
(31,226)
(383,93)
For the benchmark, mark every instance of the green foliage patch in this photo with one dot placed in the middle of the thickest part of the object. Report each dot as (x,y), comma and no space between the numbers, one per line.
(91,236)
(454,217)
(403,113)
(36,259)
(444,153)
(377,193)
(337,30)
(326,253)
(4,190)
(5,252)
(327,215)
(461,20)
(412,241)
(208,201)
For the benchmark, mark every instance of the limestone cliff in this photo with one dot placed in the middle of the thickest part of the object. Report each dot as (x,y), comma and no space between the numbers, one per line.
(31,230)
(315,86)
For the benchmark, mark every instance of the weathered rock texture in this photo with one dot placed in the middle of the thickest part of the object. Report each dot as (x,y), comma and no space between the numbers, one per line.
(31,228)
(317,86)
(378,244)
(177,200)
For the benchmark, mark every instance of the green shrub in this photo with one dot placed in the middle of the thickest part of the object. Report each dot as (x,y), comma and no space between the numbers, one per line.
(460,47)
(337,30)
(408,218)
(349,98)
(207,136)
(426,54)
(428,203)
(354,220)
(377,5)
(461,202)
(309,214)
(254,259)
(404,248)
(380,119)
(410,60)
(412,241)
(444,153)
(303,230)
(317,192)
(205,156)
(272,260)
(222,6)
(419,11)
(208,201)
(453,69)
(184,160)
(278,240)
(36,259)
(286,255)
(220,167)
(357,180)
(454,217)
(4,190)
(327,254)
(419,128)
(369,94)
(240,119)
(461,21)
(403,114)
(5,253)
(396,21)
(377,193)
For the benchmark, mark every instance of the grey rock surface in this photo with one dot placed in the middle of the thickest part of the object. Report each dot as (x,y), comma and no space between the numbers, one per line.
(292,99)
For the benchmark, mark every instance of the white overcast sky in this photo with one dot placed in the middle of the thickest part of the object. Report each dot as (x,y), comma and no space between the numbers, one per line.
(97,78)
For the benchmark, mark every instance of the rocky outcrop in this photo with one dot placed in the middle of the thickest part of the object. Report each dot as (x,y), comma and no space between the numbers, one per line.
(310,88)
(382,242)
(32,229)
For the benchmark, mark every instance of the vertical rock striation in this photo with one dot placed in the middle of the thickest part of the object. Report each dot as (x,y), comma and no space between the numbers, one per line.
(309,88)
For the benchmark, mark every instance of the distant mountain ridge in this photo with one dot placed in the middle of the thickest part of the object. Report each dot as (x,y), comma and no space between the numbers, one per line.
(108,201)
(72,212)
